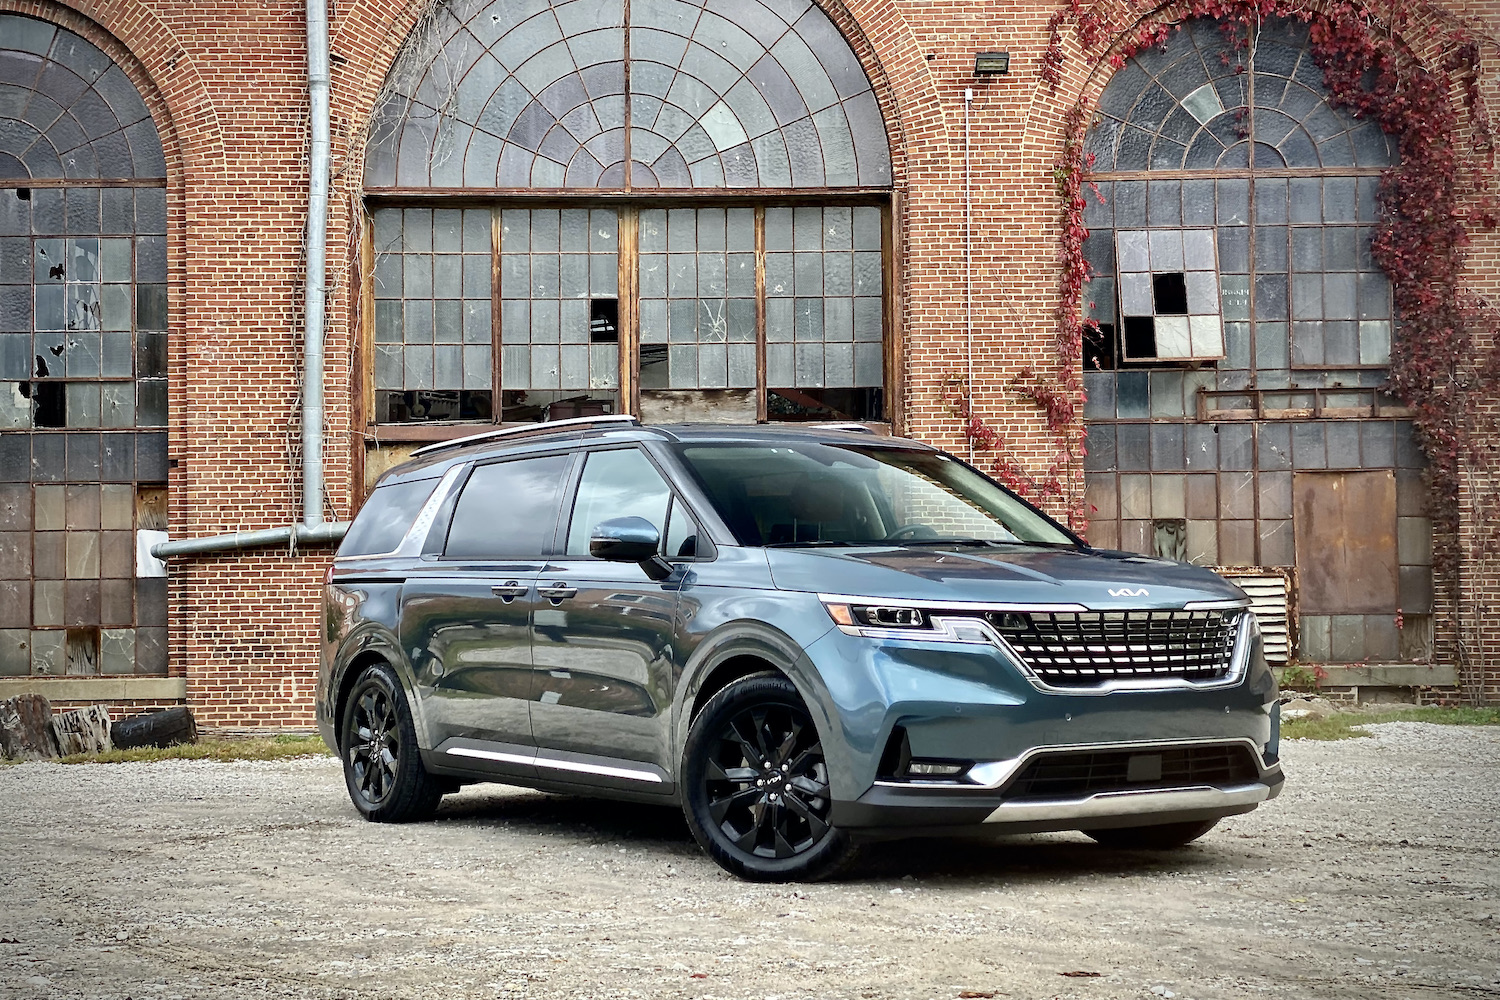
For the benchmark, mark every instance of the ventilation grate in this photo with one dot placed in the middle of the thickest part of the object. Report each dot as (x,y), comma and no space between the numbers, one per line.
(1269,599)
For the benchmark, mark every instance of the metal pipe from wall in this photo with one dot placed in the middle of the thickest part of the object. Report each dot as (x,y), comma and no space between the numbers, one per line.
(320,534)
(315,292)
(968,268)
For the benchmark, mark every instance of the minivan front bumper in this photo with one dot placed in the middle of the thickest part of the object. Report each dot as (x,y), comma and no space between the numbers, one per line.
(1002,805)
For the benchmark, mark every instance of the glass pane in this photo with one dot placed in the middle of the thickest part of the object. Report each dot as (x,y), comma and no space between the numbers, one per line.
(616,484)
(507,509)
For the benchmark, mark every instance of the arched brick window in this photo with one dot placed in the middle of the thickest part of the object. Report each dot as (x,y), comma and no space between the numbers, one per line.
(1234,410)
(83,359)
(658,206)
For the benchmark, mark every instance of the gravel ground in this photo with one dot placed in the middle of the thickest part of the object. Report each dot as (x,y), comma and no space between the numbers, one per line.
(1376,874)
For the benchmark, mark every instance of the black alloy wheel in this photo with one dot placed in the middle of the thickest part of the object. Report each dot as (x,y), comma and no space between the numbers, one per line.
(373,745)
(756,785)
(382,765)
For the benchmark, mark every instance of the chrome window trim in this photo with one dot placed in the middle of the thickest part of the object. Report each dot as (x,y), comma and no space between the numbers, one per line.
(411,542)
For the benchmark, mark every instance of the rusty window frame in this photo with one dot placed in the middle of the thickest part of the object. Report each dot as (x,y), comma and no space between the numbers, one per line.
(629,290)
(78,520)
(1252,406)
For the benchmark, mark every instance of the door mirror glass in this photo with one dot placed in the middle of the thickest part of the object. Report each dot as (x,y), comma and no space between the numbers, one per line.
(624,539)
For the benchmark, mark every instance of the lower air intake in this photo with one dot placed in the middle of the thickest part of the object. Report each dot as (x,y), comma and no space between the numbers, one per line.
(1075,774)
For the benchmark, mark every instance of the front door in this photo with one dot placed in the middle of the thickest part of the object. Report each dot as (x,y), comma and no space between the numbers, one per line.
(603,631)
(466,617)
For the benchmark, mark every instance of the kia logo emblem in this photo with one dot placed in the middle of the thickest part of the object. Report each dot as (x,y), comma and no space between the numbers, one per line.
(1129,592)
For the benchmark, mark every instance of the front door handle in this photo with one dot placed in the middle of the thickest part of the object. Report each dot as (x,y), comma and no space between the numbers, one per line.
(510,590)
(557,591)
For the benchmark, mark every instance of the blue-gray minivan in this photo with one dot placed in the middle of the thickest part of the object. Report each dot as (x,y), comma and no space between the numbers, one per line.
(806,637)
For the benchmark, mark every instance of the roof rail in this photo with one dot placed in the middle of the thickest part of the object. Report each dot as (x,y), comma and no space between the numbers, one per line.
(546,426)
(847,425)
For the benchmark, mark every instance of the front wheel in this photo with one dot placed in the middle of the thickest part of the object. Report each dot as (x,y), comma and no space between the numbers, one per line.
(382,765)
(1163,837)
(755,785)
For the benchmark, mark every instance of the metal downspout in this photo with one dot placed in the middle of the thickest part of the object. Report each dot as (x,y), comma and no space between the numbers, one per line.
(968,269)
(315,293)
(313,529)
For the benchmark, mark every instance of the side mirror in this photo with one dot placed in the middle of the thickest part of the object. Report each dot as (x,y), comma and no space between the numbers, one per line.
(630,539)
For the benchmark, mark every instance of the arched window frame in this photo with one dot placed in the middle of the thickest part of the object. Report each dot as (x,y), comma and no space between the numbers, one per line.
(1242,460)
(83,360)
(632,204)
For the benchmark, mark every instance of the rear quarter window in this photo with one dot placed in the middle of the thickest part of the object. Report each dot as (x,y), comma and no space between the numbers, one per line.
(386,517)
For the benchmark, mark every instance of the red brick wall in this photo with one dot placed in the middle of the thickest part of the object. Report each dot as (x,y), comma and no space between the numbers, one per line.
(226,84)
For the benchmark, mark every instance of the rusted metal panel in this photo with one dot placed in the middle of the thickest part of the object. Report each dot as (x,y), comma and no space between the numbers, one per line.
(1345,525)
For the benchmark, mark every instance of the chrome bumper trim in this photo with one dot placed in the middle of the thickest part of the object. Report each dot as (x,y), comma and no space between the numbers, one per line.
(605,770)
(993,774)
(1143,803)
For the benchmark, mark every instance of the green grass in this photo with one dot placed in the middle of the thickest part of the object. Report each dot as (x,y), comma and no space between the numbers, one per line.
(254,748)
(1349,725)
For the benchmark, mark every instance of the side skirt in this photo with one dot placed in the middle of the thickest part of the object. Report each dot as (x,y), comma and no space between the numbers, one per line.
(551,770)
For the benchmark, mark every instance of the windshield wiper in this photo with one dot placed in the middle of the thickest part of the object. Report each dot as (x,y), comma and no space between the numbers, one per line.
(983,542)
(936,541)
(816,543)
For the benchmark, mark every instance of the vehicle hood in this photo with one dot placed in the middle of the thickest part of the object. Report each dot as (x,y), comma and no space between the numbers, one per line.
(1009,575)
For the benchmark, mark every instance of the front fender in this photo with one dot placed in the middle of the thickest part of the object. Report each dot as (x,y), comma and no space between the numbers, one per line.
(744,637)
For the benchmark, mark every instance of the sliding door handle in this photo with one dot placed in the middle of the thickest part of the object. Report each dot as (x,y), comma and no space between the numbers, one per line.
(510,590)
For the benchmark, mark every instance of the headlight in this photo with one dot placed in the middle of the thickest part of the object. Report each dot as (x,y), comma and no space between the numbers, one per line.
(908,622)
(878,616)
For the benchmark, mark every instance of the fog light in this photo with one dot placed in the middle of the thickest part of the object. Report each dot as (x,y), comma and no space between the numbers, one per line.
(935,769)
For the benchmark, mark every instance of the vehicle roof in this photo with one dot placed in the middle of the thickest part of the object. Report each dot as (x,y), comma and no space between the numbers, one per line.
(437,461)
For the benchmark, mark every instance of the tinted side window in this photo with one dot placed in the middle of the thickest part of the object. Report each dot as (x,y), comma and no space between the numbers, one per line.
(386,517)
(616,484)
(682,533)
(508,509)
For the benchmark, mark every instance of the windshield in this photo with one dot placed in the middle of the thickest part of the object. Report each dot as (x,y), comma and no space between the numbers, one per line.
(822,494)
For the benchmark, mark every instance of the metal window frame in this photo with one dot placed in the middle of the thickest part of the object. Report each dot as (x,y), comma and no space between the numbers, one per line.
(627,205)
(1257,411)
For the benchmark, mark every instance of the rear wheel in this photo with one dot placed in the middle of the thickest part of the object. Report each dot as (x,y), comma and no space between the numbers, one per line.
(755,785)
(382,765)
(1163,837)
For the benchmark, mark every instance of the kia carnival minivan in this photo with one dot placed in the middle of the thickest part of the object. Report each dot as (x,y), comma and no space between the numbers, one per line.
(805,637)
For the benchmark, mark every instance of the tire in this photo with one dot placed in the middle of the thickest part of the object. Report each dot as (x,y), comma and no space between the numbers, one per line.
(1164,837)
(378,744)
(762,819)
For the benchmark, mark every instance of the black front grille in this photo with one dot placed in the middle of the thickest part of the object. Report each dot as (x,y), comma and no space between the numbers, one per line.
(1074,774)
(1090,647)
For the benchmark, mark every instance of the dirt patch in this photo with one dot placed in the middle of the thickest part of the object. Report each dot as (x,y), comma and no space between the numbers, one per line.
(1377,874)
